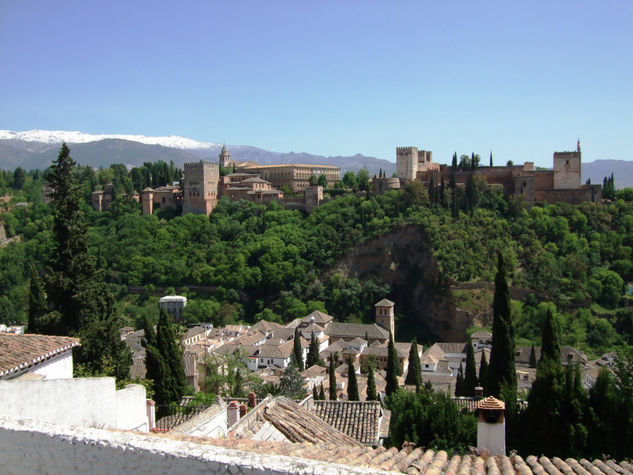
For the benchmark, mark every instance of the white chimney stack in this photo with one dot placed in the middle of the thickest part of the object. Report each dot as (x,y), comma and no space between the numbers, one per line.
(491,426)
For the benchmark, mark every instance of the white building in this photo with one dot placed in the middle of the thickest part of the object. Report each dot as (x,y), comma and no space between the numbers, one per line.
(173,304)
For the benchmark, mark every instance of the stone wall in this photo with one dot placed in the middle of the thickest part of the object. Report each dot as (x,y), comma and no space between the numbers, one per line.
(29,447)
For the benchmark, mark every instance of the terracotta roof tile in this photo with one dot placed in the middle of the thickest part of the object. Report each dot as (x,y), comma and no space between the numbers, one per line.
(18,352)
(491,403)
(358,419)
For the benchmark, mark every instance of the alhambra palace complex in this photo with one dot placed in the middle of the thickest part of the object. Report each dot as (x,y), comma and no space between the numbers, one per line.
(203,185)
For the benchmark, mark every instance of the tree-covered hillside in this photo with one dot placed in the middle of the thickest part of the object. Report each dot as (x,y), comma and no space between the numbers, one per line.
(248,261)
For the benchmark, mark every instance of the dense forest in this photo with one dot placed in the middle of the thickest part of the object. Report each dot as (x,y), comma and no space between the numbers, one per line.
(247,261)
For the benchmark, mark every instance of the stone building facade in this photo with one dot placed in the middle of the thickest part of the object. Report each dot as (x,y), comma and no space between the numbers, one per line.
(295,176)
(562,183)
(200,188)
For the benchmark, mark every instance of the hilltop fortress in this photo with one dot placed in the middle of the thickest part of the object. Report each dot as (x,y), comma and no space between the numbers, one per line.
(562,183)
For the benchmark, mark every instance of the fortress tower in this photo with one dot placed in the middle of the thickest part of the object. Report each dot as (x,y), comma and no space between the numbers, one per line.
(147,199)
(225,157)
(567,170)
(407,162)
(386,316)
(200,193)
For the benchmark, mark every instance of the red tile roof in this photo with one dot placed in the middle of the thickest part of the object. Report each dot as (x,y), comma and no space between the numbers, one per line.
(18,352)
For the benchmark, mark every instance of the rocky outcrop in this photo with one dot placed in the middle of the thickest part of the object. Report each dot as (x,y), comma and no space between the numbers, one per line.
(404,259)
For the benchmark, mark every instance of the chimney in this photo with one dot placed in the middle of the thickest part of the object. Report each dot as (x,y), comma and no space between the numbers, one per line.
(491,426)
(479,392)
(252,400)
(233,414)
(243,410)
(151,415)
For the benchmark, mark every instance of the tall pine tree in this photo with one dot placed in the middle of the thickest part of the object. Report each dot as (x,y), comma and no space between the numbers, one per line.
(332,375)
(81,303)
(414,372)
(371,385)
(297,351)
(483,369)
(37,302)
(501,371)
(164,362)
(392,367)
(470,376)
(313,352)
(352,383)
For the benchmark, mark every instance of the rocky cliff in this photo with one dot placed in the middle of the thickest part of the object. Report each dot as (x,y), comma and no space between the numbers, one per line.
(425,304)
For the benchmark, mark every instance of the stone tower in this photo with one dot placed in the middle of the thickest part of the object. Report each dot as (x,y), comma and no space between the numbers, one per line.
(386,316)
(147,199)
(225,157)
(407,162)
(567,170)
(200,191)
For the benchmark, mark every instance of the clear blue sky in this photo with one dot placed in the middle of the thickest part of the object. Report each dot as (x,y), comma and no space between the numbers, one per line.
(523,78)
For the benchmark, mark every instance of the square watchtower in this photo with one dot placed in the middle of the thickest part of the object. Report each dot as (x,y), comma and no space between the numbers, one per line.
(386,316)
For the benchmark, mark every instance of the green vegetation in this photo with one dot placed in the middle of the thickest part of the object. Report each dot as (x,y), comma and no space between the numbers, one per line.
(430,419)
(247,262)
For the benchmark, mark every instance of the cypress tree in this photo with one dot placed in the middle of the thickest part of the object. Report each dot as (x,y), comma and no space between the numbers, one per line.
(459,382)
(414,372)
(164,362)
(491,158)
(315,393)
(238,384)
(392,367)
(297,351)
(371,385)
(37,301)
(501,371)
(442,193)
(321,393)
(483,369)
(550,347)
(470,377)
(333,356)
(533,357)
(313,352)
(352,384)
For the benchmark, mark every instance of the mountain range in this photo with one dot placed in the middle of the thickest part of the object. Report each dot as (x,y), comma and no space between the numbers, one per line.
(38,148)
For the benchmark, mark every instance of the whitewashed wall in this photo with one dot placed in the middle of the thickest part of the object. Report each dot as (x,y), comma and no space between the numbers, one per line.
(86,402)
(29,447)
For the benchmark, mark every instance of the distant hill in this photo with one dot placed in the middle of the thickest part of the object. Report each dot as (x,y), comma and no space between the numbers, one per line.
(36,149)
(622,172)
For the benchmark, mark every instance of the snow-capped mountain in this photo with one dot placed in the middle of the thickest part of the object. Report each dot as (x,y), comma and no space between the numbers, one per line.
(38,148)
(70,137)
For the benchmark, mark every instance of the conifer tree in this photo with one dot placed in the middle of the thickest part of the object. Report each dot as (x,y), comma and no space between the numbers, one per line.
(321,393)
(81,303)
(313,352)
(352,383)
(392,367)
(470,376)
(551,338)
(483,369)
(459,382)
(501,371)
(532,357)
(371,385)
(414,372)
(297,351)
(37,301)
(315,393)
(442,193)
(491,158)
(332,375)
(164,362)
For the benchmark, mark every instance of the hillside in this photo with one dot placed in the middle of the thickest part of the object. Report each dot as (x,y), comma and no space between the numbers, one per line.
(248,262)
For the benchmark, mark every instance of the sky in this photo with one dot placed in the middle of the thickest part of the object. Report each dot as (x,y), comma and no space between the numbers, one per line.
(521,79)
